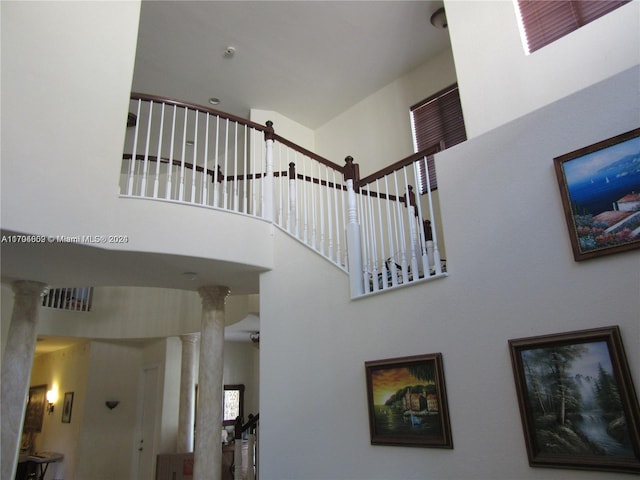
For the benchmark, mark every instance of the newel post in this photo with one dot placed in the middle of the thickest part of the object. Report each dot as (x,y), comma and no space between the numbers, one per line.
(267,181)
(354,253)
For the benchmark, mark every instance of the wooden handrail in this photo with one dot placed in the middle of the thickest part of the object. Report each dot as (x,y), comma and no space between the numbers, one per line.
(252,423)
(200,108)
(308,153)
(433,149)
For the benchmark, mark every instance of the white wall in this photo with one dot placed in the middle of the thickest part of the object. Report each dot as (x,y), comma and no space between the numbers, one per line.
(106,445)
(512,275)
(285,127)
(85,85)
(377,130)
(67,371)
(498,82)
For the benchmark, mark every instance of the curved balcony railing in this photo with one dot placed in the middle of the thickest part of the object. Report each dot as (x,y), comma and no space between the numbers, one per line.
(180,152)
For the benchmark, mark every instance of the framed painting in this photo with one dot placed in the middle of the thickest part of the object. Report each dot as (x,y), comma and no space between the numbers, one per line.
(34,414)
(600,190)
(67,406)
(577,401)
(407,402)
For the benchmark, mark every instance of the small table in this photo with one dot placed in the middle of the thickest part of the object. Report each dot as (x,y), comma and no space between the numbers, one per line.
(39,462)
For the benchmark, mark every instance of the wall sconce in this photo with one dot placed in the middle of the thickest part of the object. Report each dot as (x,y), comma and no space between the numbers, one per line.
(52,398)
(111,404)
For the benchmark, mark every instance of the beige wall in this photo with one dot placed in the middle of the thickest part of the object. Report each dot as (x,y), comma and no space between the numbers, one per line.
(377,131)
(498,82)
(511,275)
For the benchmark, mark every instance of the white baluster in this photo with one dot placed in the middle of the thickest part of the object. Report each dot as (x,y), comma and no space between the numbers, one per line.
(156,181)
(184,152)
(280,217)
(226,168)
(195,158)
(385,273)
(293,207)
(400,232)
(305,197)
(337,217)
(170,168)
(216,183)
(145,162)
(134,152)
(411,222)
(329,215)
(235,170)
(425,265)
(245,171)
(204,198)
(371,233)
(437,263)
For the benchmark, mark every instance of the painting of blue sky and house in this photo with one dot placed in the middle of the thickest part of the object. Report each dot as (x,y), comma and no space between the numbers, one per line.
(600,187)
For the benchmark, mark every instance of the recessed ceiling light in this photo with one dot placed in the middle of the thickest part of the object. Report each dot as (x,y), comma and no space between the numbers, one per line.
(214,101)
(229,52)
(190,143)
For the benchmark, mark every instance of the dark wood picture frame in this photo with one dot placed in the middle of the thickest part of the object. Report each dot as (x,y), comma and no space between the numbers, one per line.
(34,414)
(600,190)
(578,406)
(67,406)
(407,402)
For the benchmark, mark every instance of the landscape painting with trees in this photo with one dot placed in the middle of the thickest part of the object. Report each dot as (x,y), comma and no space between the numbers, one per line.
(407,402)
(579,405)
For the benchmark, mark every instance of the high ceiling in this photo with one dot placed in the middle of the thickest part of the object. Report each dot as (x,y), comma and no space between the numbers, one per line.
(308,60)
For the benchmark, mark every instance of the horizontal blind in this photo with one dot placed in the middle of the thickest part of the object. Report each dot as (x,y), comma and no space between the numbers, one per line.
(546,21)
(437,120)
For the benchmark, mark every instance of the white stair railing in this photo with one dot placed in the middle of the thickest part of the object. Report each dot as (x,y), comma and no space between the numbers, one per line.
(399,239)
(376,228)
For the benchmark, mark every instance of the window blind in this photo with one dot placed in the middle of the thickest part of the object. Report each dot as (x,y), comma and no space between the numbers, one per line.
(437,120)
(546,21)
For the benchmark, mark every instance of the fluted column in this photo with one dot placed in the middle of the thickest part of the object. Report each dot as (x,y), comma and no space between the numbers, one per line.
(208,447)
(17,361)
(186,412)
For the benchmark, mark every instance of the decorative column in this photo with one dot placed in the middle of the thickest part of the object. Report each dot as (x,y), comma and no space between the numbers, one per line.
(354,253)
(208,444)
(17,361)
(186,412)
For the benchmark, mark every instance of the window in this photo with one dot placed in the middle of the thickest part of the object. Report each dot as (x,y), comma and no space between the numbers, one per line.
(545,22)
(233,404)
(437,120)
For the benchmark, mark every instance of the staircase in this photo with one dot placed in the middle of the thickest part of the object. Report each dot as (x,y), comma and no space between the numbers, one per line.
(377,229)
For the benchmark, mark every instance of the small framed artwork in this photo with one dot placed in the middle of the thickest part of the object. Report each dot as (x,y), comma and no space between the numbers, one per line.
(577,401)
(67,406)
(407,402)
(600,190)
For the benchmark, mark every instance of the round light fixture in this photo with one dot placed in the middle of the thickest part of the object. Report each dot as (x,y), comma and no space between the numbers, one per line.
(229,52)
(439,19)
(214,101)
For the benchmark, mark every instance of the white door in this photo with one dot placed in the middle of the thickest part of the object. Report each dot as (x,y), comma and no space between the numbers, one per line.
(148,421)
